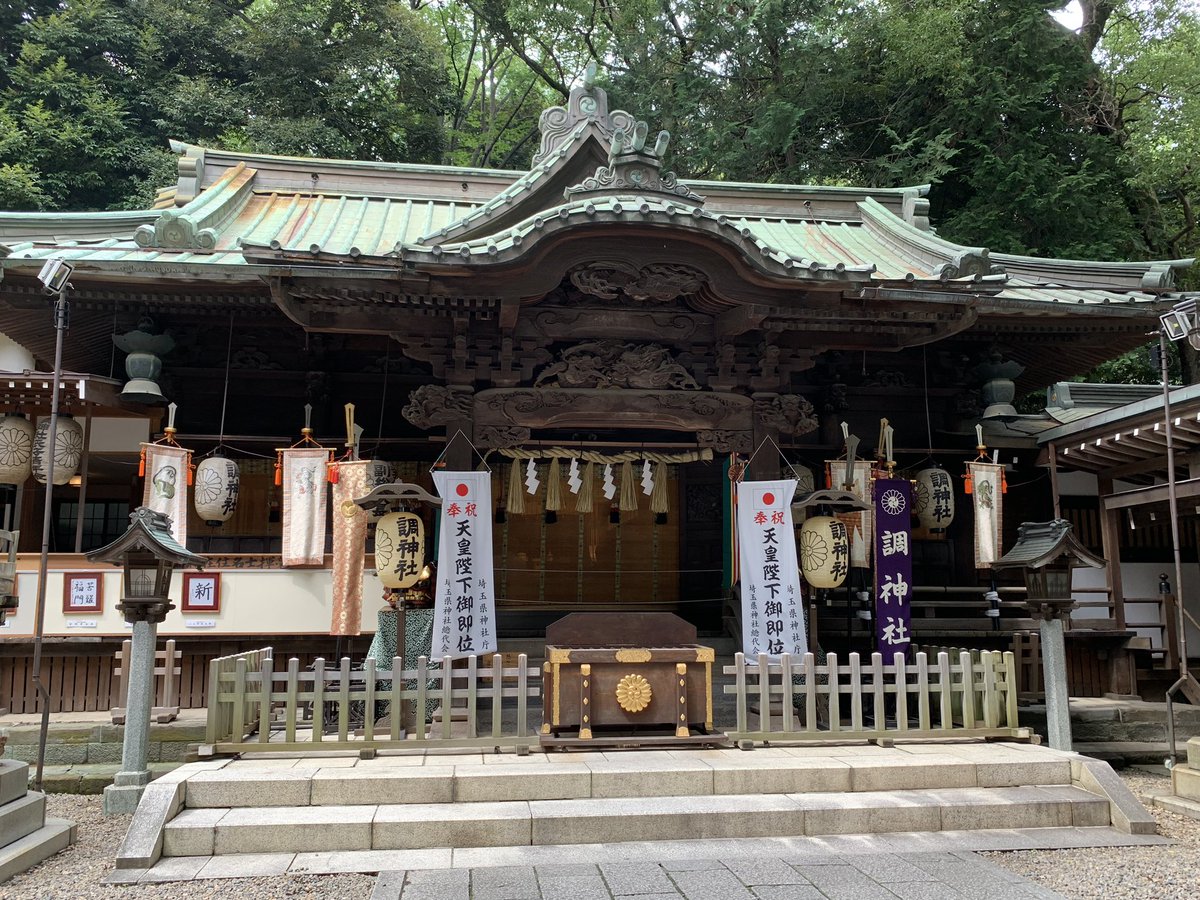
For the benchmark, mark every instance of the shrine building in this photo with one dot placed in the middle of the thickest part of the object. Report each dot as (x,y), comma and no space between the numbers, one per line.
(597,308)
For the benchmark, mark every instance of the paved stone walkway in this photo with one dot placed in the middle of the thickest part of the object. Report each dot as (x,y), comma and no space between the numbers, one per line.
(911,876)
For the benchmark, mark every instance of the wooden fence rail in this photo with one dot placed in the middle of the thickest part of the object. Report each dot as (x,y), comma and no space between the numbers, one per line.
(254,708)
(962,696)
(167,669)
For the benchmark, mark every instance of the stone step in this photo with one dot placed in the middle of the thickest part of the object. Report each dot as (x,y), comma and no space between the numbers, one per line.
(448,779)
(296,829)
(22,817)
(26,852)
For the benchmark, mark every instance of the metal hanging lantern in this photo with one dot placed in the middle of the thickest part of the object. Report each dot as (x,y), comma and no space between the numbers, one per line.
(824,551)
(217,481)
(68,448)
(933,498)
(16,449)
(399,549)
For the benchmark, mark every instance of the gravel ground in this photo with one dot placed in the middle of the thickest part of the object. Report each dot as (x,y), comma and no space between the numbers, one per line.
(1127,873)
(1153,873)
(75,873)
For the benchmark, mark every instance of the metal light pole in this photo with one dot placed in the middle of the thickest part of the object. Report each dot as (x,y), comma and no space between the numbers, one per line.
(54,277)
(1180,323)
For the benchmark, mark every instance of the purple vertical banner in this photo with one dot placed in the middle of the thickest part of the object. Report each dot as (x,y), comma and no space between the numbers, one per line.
(893,566)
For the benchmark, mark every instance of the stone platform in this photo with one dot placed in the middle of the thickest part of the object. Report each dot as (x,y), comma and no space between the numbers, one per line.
(419,810)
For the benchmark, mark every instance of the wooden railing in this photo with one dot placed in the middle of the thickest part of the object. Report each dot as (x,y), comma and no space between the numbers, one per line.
(963,696)
(367,707)
(221,716)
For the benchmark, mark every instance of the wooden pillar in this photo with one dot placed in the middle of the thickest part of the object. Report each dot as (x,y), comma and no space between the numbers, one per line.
(1054,479)
(1110,543)
(83,479)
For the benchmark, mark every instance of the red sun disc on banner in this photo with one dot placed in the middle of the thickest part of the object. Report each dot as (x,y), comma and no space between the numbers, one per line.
(768,499)
(462,490)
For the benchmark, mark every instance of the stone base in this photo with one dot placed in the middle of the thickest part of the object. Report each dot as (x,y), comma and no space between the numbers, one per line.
(122,799)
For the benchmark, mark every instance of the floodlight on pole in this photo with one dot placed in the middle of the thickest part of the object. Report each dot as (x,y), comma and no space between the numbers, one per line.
(1181,322)
(54,276)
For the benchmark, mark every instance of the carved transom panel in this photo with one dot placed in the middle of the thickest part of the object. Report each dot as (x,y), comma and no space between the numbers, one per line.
(658,282)
(604,364)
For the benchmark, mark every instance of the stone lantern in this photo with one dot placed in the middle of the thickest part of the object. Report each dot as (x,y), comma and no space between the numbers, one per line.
(1048,552)
(149,554)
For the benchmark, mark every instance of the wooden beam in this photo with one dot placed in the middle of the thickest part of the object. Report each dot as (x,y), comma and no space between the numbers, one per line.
(1110,543)
(1155,493)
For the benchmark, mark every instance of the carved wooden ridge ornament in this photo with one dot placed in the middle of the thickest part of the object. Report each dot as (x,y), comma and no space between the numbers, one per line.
(633,167)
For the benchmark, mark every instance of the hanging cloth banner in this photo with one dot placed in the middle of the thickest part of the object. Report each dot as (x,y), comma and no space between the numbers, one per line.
(893,566)
(167,468)
(304,479)
(464,607)
(772,607)
(859,524)
(349,544)
(987,480)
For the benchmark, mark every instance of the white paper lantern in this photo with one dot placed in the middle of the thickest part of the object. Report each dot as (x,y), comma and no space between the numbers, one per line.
(16,449)
(68,448)
(217,481)
(824,551)
(933,498)
(399,549)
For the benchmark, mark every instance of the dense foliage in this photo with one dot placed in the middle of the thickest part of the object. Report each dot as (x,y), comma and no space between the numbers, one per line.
(1036,138)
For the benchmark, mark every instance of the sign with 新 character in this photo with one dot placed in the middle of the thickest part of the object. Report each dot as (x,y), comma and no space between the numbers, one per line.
(772,607)
(464,607)
(201,592)
(83,592)
(893,566)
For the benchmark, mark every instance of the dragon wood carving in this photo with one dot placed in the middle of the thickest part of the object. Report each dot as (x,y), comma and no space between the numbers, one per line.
(787,413)
(435,404)
(604,364)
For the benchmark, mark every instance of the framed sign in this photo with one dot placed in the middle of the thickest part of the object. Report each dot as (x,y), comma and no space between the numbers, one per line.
(83,592)
(201,591)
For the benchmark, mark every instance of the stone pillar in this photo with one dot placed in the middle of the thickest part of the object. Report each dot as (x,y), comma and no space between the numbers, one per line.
(1054,676)
(122,796)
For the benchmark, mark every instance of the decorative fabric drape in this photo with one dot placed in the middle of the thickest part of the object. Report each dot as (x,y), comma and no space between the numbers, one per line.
(349,546)
(859,524)
(165,489)
(987,480)
(304,480)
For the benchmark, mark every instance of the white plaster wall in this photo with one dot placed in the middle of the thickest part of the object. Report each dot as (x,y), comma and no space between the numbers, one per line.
(118,435)
(1140,580)
(267,603)
(14,357)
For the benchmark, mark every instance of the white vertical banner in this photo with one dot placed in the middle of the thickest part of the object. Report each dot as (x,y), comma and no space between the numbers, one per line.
(986,479)
(166,485)
(861,525)
(464,604)
(772,607)
(304,479)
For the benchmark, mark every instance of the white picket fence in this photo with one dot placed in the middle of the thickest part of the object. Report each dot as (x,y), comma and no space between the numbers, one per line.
(291,713)
(795,699)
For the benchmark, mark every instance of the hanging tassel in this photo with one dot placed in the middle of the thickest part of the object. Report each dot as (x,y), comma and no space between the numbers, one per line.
(583,499)
(1003,482)
(516,490)
(828,476)
(142,465)
(659,502)
(554,486)
(191,471)
(333,473)
(969,482)
(278,469)
(628,488)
